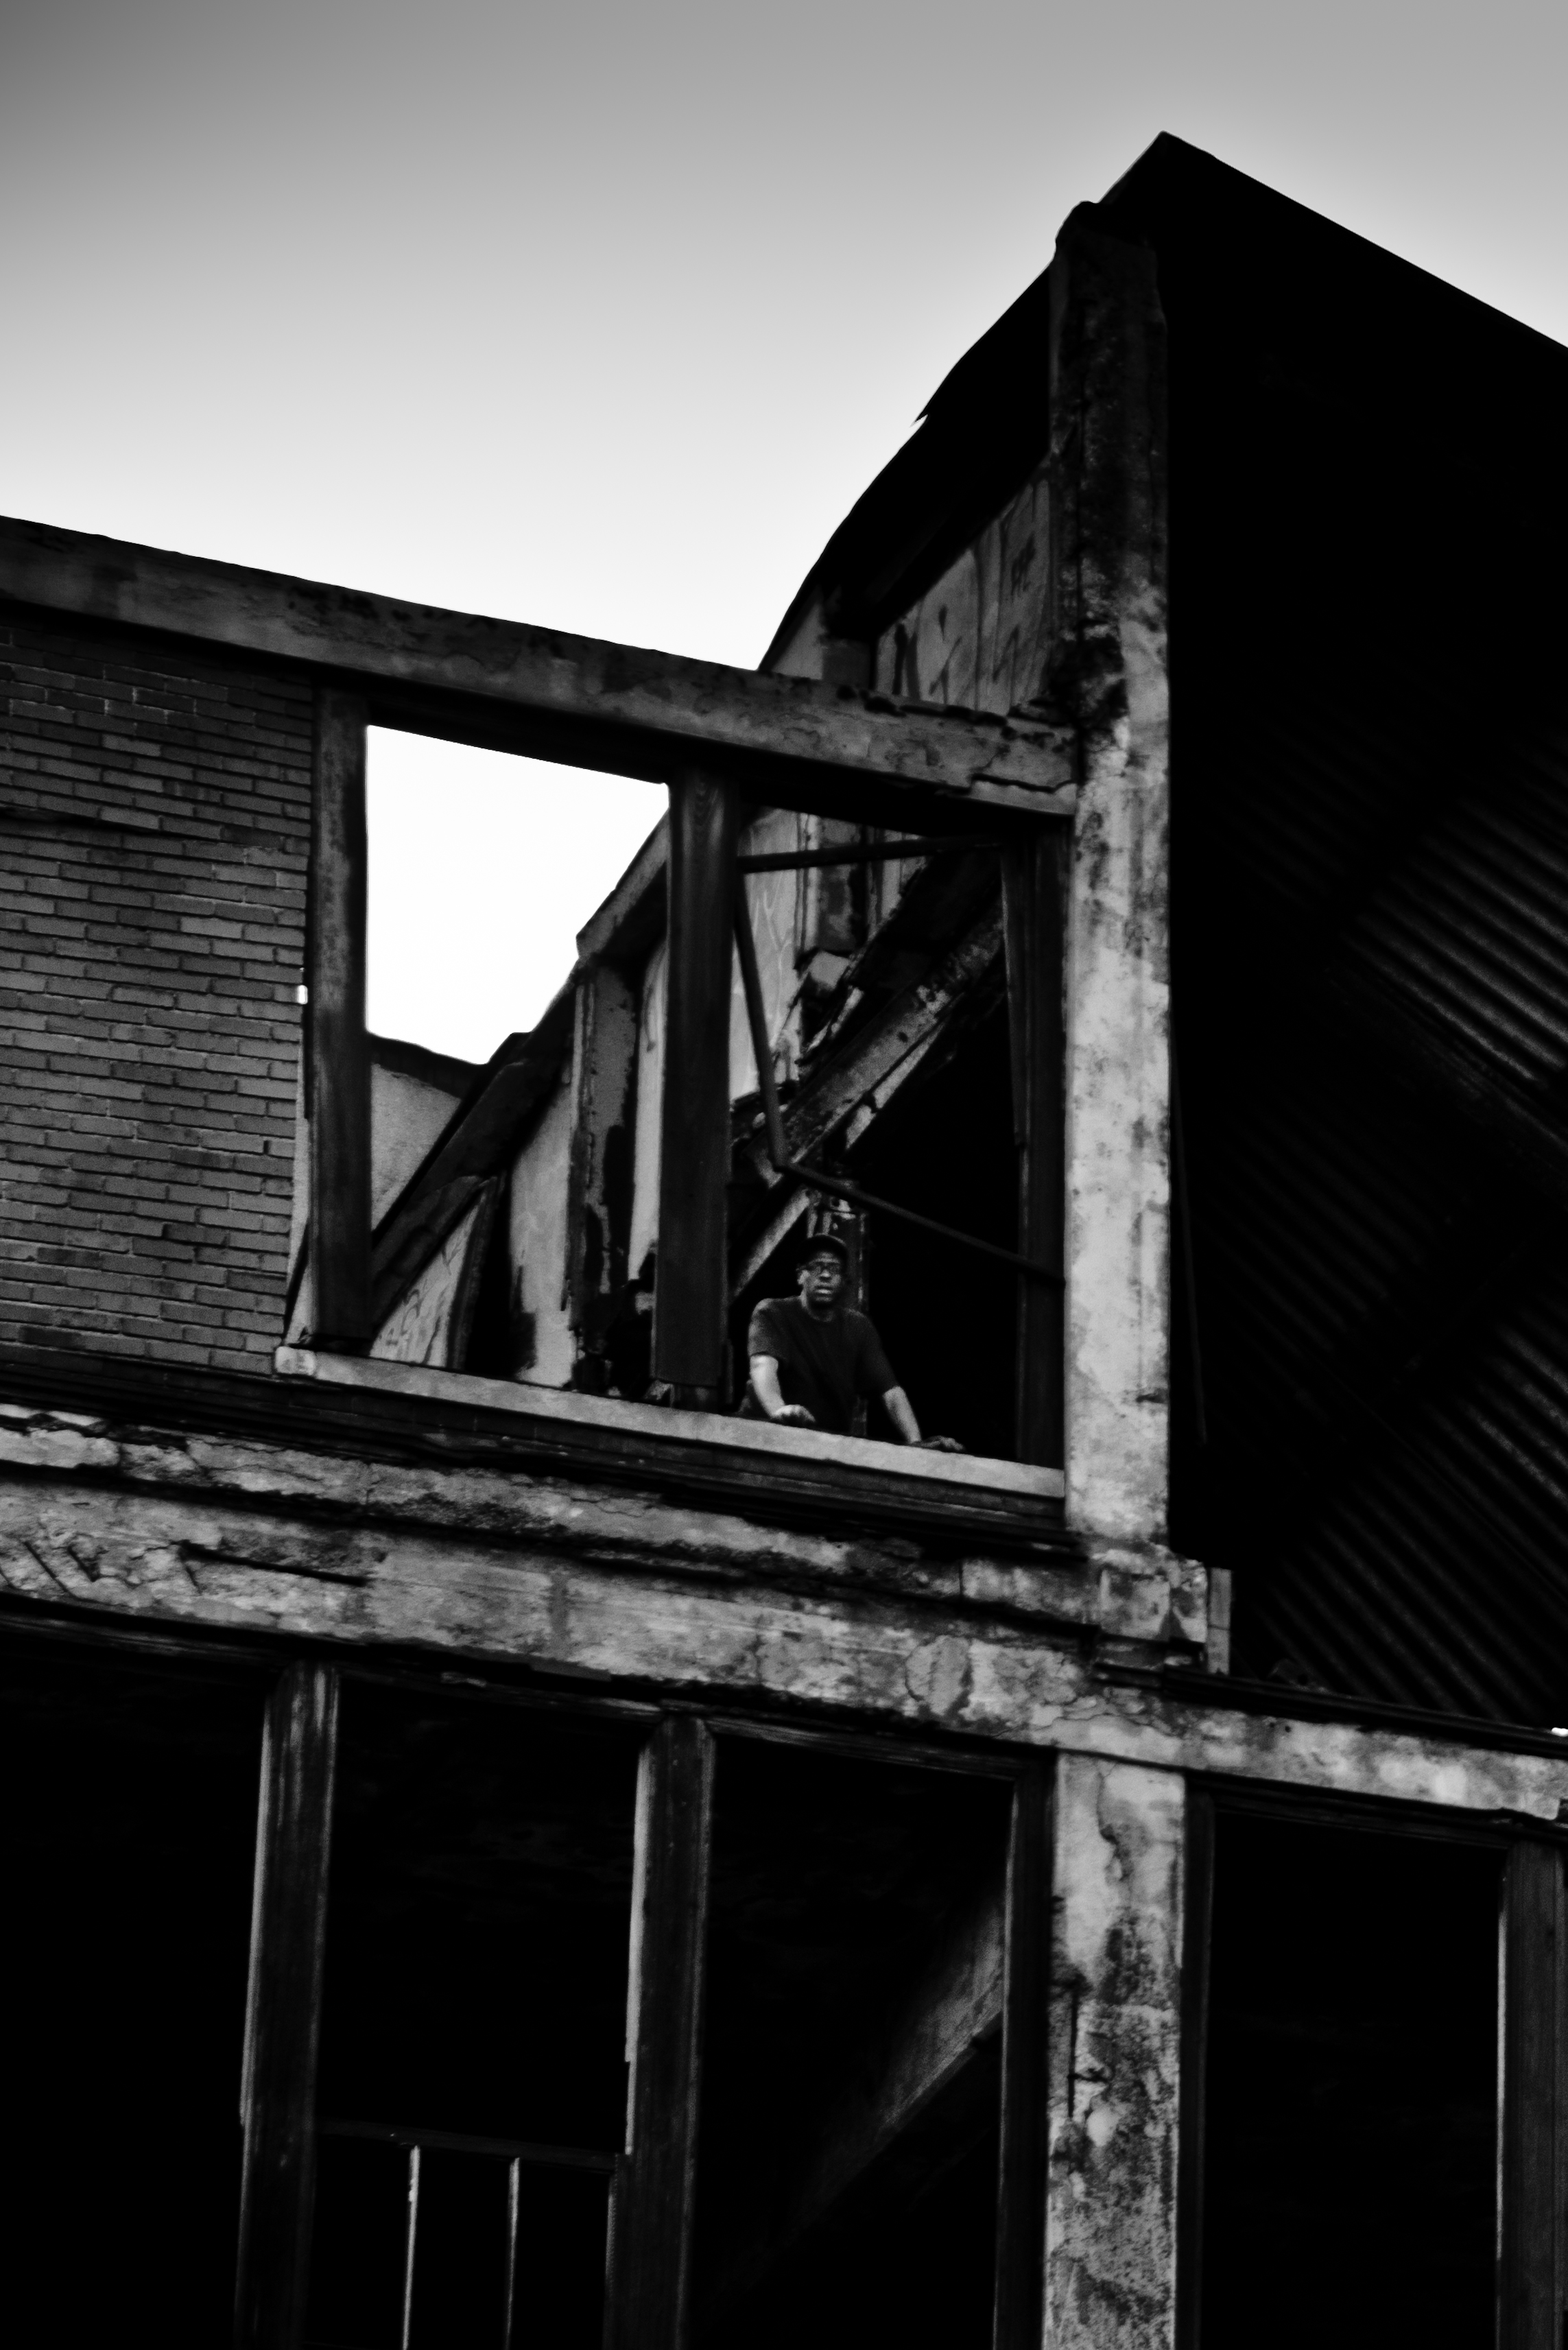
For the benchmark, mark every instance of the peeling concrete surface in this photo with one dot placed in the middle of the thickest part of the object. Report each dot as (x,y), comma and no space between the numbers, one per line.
(1111,496)
(1149,1596)
(1115,2061)
(470,1564)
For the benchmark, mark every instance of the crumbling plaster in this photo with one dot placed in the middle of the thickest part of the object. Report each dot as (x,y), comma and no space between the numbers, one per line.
(1111,663)
(470,1566)
(1115,2055)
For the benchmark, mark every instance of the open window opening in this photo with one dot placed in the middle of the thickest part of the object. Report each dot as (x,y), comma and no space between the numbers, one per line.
(769,1037)
(1351,2173)
(581,2023)
(848,2151)
(471,2089)
(127,1844)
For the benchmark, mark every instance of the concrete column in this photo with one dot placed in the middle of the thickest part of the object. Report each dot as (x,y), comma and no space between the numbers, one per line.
(1110,2227)
(1108,475)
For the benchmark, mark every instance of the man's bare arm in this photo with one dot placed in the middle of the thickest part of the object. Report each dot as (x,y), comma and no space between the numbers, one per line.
(902,1412)
(765,1388)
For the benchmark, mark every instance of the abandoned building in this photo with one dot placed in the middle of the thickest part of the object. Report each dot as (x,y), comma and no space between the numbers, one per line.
(503,1848)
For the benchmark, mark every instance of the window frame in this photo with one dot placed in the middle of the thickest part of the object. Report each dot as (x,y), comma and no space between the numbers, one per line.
(654,2188)
(707,800)
(1532,1999)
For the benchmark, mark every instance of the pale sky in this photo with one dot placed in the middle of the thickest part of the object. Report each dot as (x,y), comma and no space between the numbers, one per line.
(602,315)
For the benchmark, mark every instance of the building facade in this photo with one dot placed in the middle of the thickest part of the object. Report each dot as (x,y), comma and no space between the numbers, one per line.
(713,1880)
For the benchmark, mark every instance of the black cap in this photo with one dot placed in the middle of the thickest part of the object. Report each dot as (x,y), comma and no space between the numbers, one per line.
(817,1243)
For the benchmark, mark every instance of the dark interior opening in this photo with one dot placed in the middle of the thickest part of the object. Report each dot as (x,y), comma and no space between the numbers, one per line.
(129,1833)
(476,1958)
(947,1316)
(844,2194)
(1351,2094)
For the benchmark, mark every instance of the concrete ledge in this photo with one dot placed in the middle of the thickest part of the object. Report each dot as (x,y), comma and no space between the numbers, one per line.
(952,1472)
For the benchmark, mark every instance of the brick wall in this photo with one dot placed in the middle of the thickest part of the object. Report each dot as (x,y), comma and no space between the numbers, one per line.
(154,813)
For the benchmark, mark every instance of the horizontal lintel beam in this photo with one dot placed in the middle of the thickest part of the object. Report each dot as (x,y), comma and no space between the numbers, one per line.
(579,700)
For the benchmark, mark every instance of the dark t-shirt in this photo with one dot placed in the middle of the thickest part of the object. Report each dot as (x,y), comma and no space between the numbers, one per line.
(824,1364)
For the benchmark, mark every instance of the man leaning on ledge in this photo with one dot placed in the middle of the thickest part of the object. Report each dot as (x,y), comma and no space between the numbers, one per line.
(813,1358)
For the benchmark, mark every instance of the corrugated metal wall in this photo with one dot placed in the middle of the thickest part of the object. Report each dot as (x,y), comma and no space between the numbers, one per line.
(1381,899)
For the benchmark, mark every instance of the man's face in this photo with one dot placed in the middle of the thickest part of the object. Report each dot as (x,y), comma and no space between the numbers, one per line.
(820,1280)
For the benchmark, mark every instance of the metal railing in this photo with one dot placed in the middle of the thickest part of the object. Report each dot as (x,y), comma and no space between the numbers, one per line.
(518,2154)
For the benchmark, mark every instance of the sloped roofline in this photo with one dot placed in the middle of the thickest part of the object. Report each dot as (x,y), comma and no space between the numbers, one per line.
(1264,284)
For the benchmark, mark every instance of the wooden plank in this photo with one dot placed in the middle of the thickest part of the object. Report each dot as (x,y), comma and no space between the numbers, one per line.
(431,1321)
(1532,2233)
(595,704)
(340,1054)
(288,1932)
(1198,1908)
(419,1228)
(403,1414)
(692,1295)
(629,923)
(648,2291)
(1026,2004)
(862,852)
(1034,882)
(833,1091)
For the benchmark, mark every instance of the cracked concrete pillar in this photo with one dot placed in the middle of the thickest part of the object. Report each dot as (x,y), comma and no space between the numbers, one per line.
(1110,2232)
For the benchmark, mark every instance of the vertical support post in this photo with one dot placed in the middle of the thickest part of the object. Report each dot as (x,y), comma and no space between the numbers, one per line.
(1034,904)
(1534,2278)
(410,2248)
(1115,2055)
(513,2221)
(1025,1992)
(1197,1936)
(339,1106)
(288,1931)
(1108,666)
(650,2258)
(691,1299)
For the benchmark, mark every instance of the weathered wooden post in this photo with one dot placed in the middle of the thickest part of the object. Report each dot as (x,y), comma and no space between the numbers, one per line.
(690,1298)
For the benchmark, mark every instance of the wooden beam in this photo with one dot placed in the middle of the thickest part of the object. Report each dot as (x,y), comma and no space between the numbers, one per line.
(629,923)
(419,1228)
(895,1035)
(288,1931)
(691,1293)
(340,1107)
(616,707)
(1035,883)
(1026,2004)
(1534,2278)
(648,2291)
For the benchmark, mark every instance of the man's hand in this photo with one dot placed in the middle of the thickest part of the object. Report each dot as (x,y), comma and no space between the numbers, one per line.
(765,1388)
(939,1445)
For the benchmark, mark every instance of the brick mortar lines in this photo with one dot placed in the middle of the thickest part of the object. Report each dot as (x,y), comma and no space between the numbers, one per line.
(164,916)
